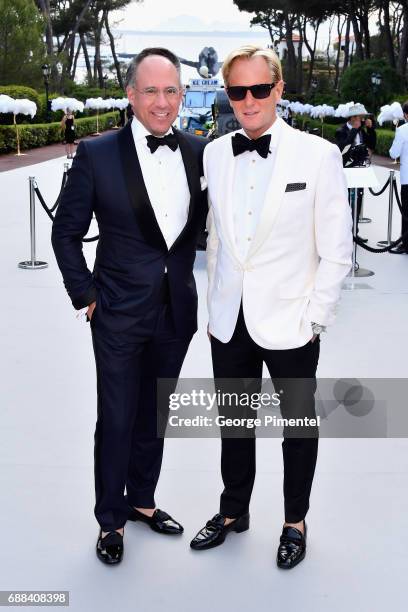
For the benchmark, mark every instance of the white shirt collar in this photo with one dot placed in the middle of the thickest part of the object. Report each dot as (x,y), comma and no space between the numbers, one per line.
(273,130)
(140,132)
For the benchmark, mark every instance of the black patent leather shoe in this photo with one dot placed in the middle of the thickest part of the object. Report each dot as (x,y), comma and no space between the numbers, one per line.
(160,521)
(400,250)
(109,549)
(215,532)
(292,547)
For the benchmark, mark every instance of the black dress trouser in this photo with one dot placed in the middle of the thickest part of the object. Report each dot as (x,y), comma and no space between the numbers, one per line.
(404,222)
(241,358)
(128,452)
(360,195)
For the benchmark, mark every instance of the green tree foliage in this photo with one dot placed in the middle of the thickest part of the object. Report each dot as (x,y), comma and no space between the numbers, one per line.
(284,18)
(356,83)
(20,91)
(22,50)
(92,21)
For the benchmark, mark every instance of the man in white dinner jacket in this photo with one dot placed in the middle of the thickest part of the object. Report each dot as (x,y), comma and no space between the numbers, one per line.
(279,248)
(399,148)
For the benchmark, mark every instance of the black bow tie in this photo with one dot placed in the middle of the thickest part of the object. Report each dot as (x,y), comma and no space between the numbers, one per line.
(153,142)
(241,143)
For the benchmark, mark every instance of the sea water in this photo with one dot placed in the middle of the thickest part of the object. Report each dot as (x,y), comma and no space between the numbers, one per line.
(186,45)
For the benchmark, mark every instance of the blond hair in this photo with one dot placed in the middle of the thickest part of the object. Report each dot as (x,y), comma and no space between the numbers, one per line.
(249,51)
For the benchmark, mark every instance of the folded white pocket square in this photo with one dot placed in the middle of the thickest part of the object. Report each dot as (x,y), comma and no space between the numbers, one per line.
(203,182)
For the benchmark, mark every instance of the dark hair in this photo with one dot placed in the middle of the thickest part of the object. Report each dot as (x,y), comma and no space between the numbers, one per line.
(137,60)
(405,108)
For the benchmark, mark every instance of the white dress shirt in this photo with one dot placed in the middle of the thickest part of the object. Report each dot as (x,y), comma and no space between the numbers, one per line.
(399,149)
(166,183)
(358,139)
(252,176)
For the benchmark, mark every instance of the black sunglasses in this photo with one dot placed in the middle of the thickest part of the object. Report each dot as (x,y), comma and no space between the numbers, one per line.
(239,92)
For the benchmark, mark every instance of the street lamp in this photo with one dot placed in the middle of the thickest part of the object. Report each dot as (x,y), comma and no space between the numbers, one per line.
(105,83)
(376,80)
(46,74)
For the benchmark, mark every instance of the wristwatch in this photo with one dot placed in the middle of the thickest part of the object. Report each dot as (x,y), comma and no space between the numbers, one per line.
(317,328)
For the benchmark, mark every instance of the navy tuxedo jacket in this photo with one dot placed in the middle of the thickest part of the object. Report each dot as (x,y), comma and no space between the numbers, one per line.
(132,255)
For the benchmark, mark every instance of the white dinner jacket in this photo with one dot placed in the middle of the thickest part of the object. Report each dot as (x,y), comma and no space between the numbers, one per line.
(301,251)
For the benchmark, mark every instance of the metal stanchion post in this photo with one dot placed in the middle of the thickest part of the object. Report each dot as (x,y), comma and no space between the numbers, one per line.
(356,271)
(33,264)
(387,242)
(352,274)
(390,207)
(362,218)
(354,258)
(357,178)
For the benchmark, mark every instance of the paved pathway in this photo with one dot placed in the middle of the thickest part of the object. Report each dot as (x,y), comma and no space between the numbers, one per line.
(11,161)
(357,555)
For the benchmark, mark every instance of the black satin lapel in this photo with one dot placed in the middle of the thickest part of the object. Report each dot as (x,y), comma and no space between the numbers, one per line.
(193,180)
(137,191)
(190,163)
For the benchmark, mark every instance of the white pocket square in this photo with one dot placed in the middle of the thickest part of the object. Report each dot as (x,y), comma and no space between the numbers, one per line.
(203,182)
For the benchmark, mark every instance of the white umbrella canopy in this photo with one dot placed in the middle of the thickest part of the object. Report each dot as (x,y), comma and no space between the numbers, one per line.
(19,106)
(6,104)
(95,103)
(391,112)
(308,108)
(110,103)
(321,111)
(22,106)
(64,104)
(298,108)
(98,104)
(121,103)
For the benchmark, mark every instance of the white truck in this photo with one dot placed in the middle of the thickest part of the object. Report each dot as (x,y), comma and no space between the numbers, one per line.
(196,109)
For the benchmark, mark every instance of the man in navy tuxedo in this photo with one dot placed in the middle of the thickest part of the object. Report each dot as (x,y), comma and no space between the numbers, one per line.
(143,185)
